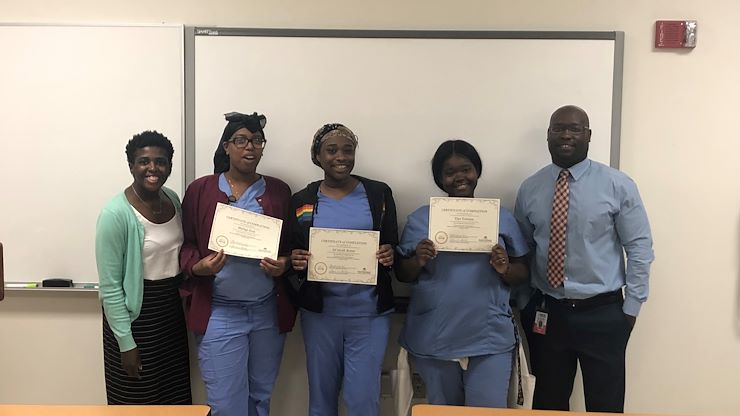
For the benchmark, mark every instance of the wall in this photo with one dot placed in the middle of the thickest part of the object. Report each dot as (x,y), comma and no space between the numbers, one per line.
(678,143)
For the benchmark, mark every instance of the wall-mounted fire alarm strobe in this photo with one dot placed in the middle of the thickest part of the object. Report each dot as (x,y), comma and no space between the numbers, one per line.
(675,34)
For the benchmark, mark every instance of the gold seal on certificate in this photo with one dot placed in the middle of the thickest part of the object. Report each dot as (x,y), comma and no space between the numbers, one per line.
(343,256)
(243,233)
(464,224)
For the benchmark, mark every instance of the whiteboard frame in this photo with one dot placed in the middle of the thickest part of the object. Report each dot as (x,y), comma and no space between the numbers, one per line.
(192,31)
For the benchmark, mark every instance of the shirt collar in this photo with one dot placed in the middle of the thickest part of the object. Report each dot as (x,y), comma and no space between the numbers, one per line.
(576,171)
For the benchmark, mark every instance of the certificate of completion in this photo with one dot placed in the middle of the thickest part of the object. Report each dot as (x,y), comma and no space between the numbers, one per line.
(464,224)
(243,233)
(343,256)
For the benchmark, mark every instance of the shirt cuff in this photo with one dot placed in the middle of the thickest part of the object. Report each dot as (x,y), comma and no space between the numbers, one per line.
(126,343)
(631,306)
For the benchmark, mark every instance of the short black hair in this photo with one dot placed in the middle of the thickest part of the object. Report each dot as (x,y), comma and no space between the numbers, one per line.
(149,138)
(454,147)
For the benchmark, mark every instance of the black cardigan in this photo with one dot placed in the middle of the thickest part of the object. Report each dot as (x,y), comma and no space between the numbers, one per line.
(308,294)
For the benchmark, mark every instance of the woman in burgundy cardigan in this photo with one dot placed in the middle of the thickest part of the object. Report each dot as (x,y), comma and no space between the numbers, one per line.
(236,306)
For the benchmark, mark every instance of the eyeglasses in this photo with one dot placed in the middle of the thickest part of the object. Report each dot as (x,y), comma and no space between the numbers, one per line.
(575,129)
(241,142)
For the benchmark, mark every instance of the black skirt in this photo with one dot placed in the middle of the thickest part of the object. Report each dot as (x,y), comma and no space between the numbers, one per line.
(161,337)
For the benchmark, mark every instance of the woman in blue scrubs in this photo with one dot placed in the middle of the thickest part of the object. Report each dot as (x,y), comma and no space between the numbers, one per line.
(234,304)
(459,330)
(345,326)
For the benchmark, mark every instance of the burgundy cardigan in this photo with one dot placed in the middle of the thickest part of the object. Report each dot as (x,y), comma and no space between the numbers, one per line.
(198,208)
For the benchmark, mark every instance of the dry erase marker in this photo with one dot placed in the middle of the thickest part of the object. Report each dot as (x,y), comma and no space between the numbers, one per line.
(22,285)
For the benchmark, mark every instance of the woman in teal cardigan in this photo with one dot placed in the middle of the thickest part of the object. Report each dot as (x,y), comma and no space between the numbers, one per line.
(137,244)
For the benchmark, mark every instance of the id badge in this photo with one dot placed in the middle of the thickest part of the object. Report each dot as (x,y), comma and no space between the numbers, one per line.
(539,326)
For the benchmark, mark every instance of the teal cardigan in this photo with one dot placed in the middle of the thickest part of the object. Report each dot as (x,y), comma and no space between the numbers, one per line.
(119,239)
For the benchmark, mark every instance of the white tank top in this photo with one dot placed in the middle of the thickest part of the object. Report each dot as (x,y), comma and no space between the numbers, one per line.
(161,251)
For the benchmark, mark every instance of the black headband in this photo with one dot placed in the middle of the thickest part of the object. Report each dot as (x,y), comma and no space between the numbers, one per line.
(253,122)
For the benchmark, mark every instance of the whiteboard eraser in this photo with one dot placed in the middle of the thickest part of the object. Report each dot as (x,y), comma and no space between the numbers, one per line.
(56,282)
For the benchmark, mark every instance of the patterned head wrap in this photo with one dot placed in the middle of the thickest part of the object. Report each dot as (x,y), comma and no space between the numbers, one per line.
(327,131)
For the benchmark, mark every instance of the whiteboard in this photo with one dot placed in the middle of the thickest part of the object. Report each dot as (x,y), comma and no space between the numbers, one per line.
(70,99)
(403,93)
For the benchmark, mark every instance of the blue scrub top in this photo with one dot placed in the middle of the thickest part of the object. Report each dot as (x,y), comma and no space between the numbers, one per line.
(459,305)
(242,281)
(351,212)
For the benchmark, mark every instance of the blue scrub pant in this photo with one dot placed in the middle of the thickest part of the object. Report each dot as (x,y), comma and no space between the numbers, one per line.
(484,384)
(239,357)
(344,352)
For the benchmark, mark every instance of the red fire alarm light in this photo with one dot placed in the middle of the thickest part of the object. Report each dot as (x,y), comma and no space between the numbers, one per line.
(675,34)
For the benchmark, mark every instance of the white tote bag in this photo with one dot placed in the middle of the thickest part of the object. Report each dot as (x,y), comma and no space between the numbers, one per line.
(521,380)
(403,392)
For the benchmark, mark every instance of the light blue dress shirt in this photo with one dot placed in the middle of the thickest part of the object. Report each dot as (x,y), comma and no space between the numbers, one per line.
(459,305)
(606,219)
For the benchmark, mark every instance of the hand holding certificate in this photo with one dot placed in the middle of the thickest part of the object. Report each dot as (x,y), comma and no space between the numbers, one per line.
(464,224)
(343,256)
(243,233)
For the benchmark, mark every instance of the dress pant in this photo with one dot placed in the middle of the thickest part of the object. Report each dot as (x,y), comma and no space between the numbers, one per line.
(593,332)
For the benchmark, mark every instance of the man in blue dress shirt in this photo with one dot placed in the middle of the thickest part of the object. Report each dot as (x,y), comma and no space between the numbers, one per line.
(580,218)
